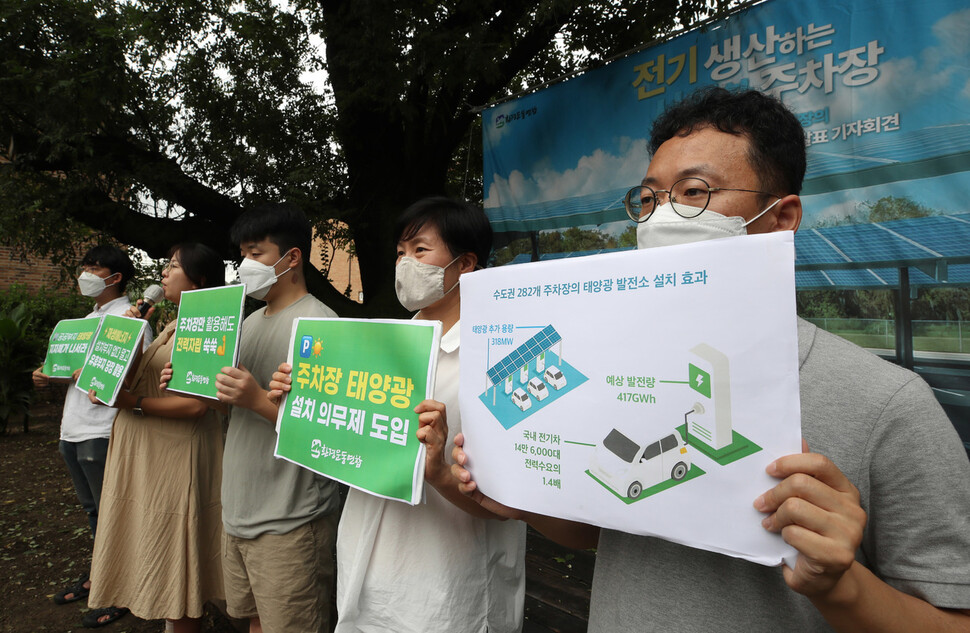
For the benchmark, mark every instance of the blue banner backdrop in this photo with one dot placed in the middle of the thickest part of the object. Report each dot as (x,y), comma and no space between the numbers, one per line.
(881,87)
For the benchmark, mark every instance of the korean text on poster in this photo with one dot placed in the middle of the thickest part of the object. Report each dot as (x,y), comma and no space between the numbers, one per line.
(350,413)
(110,356)
(68,346)
(206,338)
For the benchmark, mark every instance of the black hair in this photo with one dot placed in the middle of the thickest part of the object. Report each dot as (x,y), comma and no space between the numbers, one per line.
(463,227)
(281,223)
(203,265)
(114,259)
(776,138)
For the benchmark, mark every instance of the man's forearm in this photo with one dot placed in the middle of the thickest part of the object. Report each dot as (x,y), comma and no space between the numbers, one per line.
(861,602)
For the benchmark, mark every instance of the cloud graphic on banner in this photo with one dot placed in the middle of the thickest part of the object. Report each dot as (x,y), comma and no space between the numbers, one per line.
(593,173)
(952,33)
(902,83)
(905,81)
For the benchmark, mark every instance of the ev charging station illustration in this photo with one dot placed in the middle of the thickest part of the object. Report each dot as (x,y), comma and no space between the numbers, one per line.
(536,374)
(709,375)
(633,469)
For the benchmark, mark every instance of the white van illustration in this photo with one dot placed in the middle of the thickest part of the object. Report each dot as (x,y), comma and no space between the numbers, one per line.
(521,399)
(554,377)
(628,467)
(538,389)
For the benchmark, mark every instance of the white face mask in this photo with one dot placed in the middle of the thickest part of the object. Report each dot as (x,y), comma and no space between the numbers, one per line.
(418,285)
(259,277)
(91,285)
(666,227)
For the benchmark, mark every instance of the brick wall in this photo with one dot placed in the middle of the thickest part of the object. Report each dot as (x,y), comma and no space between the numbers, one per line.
(342,268)
(33,272)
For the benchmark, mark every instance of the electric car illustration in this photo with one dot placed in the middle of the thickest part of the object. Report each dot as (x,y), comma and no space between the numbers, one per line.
(521,399)
(538,389)
(628,468)
(554,377)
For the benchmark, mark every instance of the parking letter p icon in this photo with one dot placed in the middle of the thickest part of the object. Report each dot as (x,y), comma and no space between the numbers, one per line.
(306,344)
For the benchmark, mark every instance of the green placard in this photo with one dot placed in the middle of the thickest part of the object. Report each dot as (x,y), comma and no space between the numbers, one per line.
(350,413)
(110,356)
(206,338)
(68,346)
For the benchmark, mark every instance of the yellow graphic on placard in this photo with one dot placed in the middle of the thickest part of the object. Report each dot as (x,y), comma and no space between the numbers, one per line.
(317,347)
(221,350)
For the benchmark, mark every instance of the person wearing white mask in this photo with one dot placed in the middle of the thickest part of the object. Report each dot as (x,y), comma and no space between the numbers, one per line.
(280,519)
(446,565)
(686,216)
(877,505)
(103,276)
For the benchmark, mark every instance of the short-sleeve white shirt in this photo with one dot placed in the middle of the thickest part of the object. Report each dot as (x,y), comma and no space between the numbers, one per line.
(431,567)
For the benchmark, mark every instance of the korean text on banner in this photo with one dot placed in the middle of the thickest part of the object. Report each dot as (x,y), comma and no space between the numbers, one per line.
(68,346)
(206,338)
(677,368)
(350,413)
(110,356)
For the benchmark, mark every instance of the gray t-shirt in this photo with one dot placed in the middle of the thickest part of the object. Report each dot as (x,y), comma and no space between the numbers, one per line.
(260,493)
(883,428)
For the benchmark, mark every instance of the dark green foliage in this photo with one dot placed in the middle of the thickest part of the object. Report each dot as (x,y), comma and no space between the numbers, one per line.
(157,122)
(44,308)
(566,241)
(18,358)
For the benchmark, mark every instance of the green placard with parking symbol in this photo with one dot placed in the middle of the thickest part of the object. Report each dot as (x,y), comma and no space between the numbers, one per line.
(350,412)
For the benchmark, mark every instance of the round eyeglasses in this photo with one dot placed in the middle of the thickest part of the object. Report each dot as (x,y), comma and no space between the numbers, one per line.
(688,197)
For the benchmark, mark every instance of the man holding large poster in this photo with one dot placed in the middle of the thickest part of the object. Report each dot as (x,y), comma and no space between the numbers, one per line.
(878,512)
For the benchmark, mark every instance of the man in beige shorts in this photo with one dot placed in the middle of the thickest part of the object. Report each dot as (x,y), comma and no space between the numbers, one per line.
(280,519)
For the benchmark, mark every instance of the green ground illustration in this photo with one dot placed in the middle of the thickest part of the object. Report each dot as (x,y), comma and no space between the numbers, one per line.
(737,449)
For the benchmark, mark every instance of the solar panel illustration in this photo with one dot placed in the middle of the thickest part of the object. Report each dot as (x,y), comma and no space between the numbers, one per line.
(523,354)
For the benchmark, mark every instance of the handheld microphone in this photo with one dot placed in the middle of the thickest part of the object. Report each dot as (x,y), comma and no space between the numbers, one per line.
(153,294)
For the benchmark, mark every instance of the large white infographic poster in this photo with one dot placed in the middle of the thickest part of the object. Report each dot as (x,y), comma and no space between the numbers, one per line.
(643,391)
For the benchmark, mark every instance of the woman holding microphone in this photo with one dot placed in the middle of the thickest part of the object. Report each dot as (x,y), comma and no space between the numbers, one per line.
(159,535)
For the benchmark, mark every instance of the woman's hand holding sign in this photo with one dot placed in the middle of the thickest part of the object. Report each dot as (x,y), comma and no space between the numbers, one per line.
(433,433)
